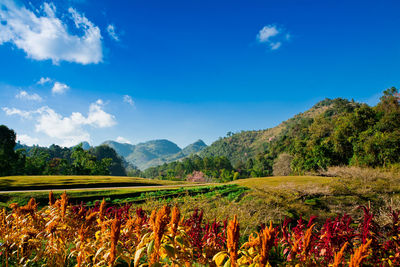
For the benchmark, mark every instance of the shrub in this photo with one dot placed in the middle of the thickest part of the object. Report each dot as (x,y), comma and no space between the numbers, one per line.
(282,165)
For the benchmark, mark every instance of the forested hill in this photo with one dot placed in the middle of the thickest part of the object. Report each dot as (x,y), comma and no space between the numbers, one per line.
(155,152)
(332,132)
(239,147)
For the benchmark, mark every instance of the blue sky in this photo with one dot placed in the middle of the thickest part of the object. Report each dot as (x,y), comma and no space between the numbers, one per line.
(90,70)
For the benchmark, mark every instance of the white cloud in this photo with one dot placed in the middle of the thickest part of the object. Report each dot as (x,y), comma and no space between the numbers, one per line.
(128,99)
(123,140)
(273,36)
(267,32)
(59,88)
(44,80)
(70,130)
(15,111)
(43,35)
(27,140)
(276,45)
(98,117)
(26,96)
(112,33)
(67,129)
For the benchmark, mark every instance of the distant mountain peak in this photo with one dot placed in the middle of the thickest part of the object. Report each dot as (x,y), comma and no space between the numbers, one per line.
(196,147)
(154,152)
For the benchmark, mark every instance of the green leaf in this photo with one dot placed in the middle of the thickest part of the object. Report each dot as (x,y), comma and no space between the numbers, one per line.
(150,248)
(182,241)
(138,254)
(227,263)
(170,251)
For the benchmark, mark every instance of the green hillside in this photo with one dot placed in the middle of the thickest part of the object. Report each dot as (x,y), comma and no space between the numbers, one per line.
(240,147)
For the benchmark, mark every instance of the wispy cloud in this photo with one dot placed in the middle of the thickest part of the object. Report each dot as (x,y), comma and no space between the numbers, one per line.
(43,35)
(59,88)
(27,140)
(111,32)
(68,130)
(15,111)
(24,95)
(128,99)
(123,140)
(273,36)
(44,80)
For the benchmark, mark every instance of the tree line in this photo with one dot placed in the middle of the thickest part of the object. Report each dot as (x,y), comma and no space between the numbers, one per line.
(17,159)
(347,133)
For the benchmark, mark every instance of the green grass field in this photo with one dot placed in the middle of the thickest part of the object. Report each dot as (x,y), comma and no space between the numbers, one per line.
(9,183)
(281,180)
(140,189)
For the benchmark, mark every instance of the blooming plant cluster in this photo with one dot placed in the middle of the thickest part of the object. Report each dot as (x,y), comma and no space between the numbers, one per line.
(64,235)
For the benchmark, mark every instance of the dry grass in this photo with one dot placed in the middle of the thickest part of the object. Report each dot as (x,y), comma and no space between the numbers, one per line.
(68,181)
(359,172)
(258,183)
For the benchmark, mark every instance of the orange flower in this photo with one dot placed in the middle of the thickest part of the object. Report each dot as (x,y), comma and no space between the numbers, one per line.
(152,217)
(51,199)
(160,223)
(307,239)
(254,241)
(267,238)
(64,203)
(115,231)
(89,218)
(175,220)
(339,256)
(102,210)
(359,255)
(233,240)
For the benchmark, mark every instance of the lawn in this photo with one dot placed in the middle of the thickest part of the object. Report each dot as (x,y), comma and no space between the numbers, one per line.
(10,183)
(281,180)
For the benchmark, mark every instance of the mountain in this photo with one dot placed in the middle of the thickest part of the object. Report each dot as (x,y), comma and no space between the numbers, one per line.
(85,145)
(122,149)
(194,148)
(155,152)
(240,147)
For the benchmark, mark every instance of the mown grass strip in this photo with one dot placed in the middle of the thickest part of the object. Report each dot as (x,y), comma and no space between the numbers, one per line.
(119,196)
(11,183)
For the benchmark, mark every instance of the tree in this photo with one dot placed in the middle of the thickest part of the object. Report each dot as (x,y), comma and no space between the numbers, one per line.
(84,162)
(116,164)
(282,165)
(8,157)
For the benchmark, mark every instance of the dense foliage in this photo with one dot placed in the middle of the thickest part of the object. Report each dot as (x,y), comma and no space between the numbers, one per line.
(65,235)
(346,134)
(210,167)
(333,132)
(17,159)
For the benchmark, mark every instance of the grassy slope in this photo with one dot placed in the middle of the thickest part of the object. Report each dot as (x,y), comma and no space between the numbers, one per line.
(255,183)
(247,144)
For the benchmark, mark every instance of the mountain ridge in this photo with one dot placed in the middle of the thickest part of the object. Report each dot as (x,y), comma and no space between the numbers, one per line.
(154,152)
